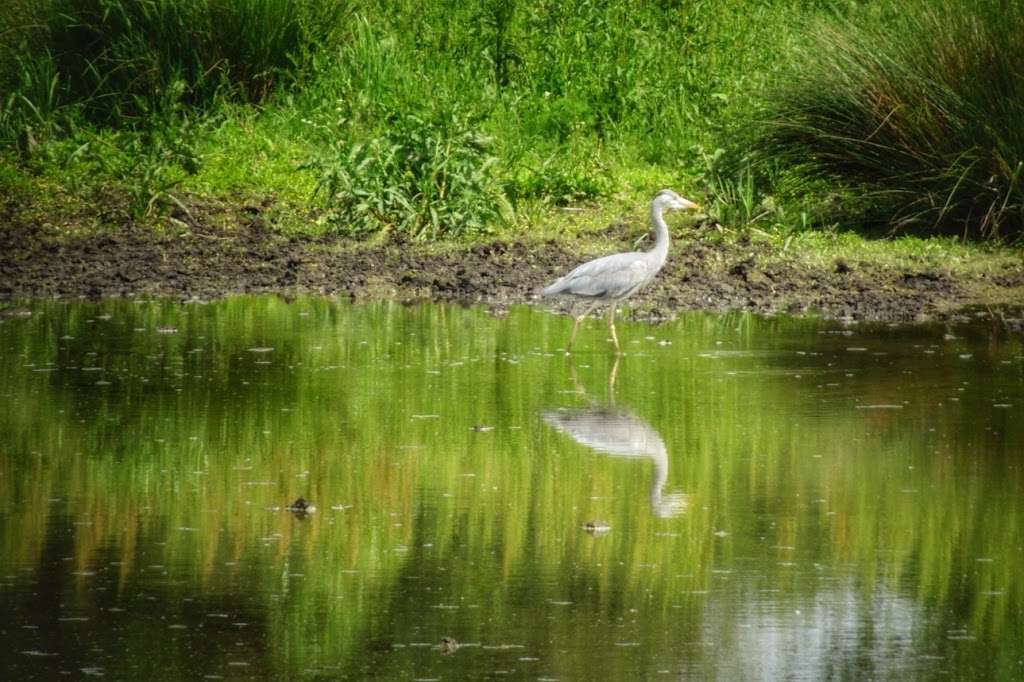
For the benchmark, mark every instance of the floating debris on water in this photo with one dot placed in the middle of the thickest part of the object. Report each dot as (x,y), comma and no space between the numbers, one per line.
(301,508)
(597,527)
(448,645)
(15,312)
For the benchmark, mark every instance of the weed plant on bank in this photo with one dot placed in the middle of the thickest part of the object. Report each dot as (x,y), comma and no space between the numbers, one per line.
(425,177)
(916,109)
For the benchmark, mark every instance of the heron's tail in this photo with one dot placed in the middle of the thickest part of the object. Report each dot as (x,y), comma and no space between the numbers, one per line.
(555,288)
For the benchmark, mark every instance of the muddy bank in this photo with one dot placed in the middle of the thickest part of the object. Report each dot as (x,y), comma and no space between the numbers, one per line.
(202,258)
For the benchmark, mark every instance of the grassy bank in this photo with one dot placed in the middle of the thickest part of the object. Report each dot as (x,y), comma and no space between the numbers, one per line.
(454,120)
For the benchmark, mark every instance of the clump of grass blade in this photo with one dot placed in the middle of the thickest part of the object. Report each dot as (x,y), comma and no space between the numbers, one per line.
(914,107)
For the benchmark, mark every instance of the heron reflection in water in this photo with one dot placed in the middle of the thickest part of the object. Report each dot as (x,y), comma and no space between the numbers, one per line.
(614,431)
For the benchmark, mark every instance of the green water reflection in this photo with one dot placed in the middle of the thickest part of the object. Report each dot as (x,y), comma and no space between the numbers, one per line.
(786,497)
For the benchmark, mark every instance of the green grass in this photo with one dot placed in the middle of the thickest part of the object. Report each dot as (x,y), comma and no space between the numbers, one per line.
(570,99)
(341,108)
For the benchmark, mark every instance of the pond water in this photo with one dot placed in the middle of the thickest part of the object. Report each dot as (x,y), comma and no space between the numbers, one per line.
(769,498)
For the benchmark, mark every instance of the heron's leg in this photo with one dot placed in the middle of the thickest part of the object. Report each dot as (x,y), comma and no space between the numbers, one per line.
(576,327)
(611,379)
(611,327)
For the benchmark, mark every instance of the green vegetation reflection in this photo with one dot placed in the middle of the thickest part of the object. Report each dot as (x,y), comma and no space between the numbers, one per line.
(442,448)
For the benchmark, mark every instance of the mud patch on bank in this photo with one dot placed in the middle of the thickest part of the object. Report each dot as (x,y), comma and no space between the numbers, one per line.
(220,251)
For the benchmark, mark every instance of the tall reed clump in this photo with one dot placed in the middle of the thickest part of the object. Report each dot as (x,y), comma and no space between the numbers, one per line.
(917,108)
(111,60)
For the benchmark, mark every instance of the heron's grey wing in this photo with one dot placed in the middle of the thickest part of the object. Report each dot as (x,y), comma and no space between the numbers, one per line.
(613,432)
(612,276)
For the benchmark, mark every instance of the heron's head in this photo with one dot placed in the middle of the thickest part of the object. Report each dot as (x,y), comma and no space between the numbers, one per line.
(670,199)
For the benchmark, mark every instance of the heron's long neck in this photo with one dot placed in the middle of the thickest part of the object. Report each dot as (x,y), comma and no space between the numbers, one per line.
(660,231)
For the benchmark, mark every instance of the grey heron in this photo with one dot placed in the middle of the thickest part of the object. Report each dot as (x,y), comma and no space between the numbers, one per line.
(611,279)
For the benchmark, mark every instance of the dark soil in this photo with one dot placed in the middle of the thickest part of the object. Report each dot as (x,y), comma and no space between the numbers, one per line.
(201,258)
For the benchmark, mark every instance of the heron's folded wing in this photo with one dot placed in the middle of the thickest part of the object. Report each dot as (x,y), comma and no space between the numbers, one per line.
(613,276)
